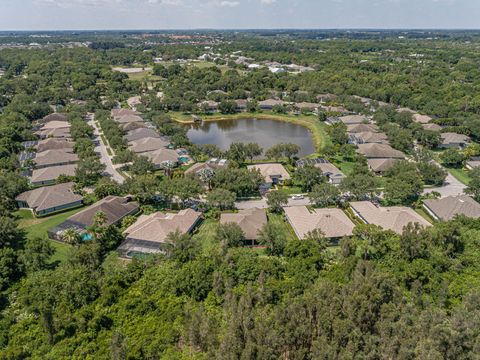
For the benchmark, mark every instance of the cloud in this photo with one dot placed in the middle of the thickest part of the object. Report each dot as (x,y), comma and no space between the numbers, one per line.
(268,2)
(228,3)
(73,3)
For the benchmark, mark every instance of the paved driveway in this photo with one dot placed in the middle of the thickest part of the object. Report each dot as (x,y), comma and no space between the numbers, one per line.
(101,149)
(452,187)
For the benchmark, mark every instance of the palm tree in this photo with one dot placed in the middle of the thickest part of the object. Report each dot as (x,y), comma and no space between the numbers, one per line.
(99,219)
(168,166)
(206,176)
(72,236)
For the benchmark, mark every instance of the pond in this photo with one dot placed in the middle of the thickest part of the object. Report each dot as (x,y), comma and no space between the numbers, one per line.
(264,132)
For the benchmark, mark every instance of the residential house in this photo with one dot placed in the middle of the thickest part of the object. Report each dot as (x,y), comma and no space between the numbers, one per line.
(161,156)
(393,218)
(55,124)
(54,117)
(49,199)
(149,234)
(53,133)
(133,102)
(334,109)
(473,163)
(367,137)
(447,208)
(322,98)
(348,119)
(333,174)
(241,105)
(405,109)
(379,151)
(353,119)
(421,119)
(312,107)
(333,223)
(270,103)
(56,157)
(432,127)
(132,126)
(117,113)
(148,144)
(273,173)
(360,128)
(208,106)
(141,133)
(380,165)
(250,221)
(454,140)
(115,209)
(211,164)
(55,144)
(48,175)
(126,119)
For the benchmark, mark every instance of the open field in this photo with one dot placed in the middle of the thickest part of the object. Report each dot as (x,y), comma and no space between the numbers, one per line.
(38,227)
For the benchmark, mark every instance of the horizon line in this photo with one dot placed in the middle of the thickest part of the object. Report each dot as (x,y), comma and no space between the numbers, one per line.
(250,29)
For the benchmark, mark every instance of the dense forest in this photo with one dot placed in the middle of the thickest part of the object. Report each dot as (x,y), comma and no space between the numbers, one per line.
(378,295)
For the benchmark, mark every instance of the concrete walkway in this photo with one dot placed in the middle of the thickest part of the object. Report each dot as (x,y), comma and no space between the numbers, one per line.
(452,187)
(101,149)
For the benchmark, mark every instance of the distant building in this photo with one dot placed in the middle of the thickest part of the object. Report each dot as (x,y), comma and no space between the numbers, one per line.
(54,117)
(379,151)
(454,140)
(422,119)
(367,137)
(348,120)
(432,127)
(270,103)
(360,128)
(125,119)
(473,163)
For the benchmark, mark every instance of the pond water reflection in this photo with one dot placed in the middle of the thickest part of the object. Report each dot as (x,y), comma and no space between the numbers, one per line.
(264,132)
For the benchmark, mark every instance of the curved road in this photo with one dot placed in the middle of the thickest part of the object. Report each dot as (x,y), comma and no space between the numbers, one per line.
(452,187)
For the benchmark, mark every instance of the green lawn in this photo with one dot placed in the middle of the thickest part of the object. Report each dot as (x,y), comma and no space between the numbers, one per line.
(278,221)
(460,174)
(38,227)
(206,235)
(291,190)
(424,214)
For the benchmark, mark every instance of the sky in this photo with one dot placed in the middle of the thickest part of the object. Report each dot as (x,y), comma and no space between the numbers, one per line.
(237,14)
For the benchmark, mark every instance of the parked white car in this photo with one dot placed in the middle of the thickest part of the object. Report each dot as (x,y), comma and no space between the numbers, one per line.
(298,197)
